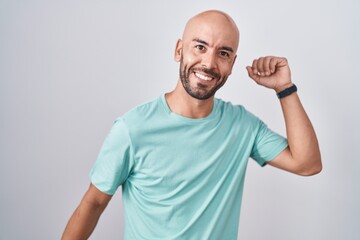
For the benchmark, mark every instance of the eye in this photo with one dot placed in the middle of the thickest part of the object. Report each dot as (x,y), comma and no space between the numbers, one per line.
(224,54)
(200,47)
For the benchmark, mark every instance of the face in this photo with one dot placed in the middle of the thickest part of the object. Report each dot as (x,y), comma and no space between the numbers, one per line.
(206,55)
(200,82)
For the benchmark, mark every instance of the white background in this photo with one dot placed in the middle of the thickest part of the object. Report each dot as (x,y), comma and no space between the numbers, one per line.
(69,68)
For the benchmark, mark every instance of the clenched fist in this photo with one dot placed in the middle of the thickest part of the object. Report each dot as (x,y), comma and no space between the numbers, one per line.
(271,72)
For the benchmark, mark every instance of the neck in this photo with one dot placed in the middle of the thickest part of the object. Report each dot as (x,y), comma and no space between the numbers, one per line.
(180,102)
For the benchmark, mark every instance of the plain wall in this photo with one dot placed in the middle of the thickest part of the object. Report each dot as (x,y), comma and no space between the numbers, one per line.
(69,68)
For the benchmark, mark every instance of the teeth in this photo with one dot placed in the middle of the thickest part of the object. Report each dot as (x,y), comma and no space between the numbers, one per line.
(203,77)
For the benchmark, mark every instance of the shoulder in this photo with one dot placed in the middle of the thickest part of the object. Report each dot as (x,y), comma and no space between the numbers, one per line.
(141,113)
(237,111)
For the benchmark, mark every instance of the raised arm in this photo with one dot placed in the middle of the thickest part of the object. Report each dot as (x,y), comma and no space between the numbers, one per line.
(86,216)
(303,155)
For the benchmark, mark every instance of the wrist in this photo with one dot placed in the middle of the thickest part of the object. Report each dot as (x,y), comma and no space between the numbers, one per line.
(283,87)
(287,91)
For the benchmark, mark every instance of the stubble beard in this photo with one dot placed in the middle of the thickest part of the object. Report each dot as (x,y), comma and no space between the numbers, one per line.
(200,92)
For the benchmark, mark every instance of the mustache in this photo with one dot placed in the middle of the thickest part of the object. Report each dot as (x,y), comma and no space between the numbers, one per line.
(207,71)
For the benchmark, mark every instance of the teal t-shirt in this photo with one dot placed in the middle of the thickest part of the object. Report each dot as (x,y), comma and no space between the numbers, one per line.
(182,178)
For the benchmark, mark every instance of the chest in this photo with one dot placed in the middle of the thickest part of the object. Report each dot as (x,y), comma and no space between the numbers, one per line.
(177,155)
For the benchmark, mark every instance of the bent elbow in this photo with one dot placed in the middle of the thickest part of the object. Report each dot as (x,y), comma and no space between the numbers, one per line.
(311,170)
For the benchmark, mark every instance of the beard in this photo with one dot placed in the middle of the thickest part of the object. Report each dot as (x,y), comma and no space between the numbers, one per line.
(201,91)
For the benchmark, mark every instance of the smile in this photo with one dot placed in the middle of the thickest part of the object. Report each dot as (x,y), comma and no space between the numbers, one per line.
(203,77)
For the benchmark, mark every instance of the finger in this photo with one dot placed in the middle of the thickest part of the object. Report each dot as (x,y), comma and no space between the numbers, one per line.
(252,74)
(282,62)
(272,64)
(254,67)
(278,62)
(260,66)
(266,65)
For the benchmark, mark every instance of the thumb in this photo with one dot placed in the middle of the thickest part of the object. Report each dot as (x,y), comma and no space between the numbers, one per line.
(252,74)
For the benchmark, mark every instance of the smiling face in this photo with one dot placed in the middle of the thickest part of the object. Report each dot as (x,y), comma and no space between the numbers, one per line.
(207,53)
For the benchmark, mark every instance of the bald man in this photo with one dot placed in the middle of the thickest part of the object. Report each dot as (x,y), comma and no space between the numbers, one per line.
(181,158)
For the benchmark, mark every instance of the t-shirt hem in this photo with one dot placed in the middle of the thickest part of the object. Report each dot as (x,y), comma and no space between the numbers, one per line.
(101,189)
(275,154)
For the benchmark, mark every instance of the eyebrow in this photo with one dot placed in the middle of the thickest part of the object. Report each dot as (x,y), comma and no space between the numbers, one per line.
(207,44)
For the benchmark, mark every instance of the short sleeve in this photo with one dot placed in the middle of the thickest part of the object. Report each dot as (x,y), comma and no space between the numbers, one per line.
(267,145)
(115,159)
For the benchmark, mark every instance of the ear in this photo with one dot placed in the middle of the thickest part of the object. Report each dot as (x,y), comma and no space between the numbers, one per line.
(178,50)
(234,60)
(233,63)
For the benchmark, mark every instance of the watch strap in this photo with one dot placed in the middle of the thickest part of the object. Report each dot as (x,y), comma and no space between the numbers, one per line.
(287,91)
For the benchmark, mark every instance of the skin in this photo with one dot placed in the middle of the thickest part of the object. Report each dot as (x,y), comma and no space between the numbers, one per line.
(83,221)
(208,50)
(302,156)
(209,44)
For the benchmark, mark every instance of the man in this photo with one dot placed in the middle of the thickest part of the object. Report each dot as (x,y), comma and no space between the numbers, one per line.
(181,158)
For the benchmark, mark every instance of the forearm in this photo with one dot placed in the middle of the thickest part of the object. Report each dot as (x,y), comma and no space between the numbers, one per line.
(86,216)
(82,222)
(303,155)
(301,136)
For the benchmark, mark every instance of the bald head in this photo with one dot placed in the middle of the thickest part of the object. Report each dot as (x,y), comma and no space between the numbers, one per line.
(212,22)
(207,53)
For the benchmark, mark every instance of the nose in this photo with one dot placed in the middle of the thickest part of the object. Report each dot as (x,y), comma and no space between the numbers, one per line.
(209,60)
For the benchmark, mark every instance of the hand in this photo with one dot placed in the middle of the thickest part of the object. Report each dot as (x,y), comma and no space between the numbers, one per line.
(271,72)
